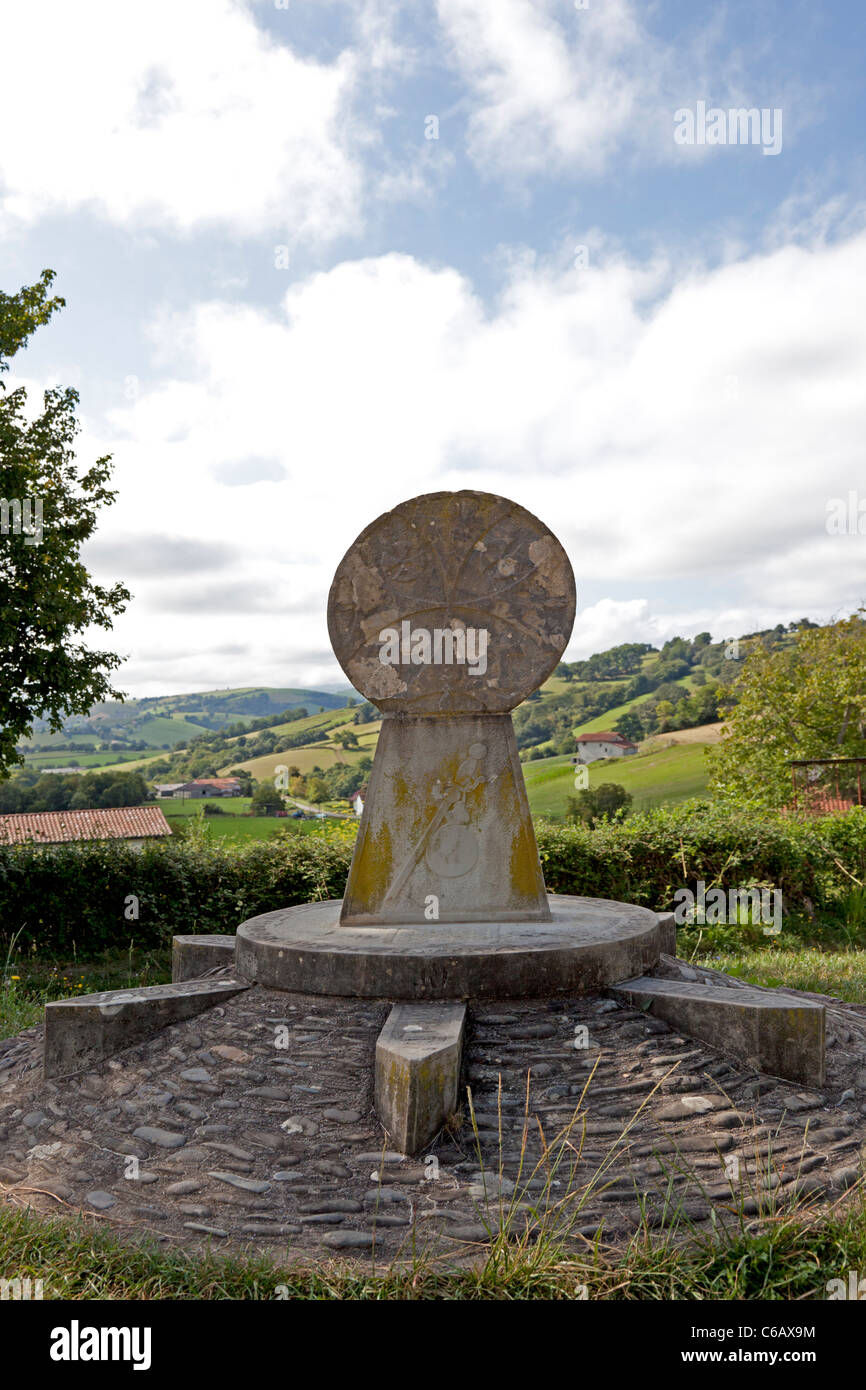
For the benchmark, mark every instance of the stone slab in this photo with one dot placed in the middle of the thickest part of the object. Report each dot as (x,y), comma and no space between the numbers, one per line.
(417,1082)
(192,956)
(588,944)
(777,1034)
(446,828)
(80,1033)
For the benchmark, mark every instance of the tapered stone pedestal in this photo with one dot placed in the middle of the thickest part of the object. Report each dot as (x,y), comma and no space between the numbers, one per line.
(446,834)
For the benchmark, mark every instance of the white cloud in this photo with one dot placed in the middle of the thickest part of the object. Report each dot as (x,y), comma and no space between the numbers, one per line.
(551,86)
(554,89)
(679,434)
(176,115)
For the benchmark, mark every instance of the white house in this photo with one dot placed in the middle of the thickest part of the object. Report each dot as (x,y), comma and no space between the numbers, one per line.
(356,800)
(591,747)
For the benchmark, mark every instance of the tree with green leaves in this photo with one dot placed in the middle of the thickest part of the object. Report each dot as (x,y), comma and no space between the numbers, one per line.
(317,790)
(806,700)
(266,800)
(47,597)
(630,726)
(594,803)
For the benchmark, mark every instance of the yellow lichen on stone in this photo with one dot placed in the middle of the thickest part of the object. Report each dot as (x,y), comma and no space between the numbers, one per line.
(525,869)
(371,870)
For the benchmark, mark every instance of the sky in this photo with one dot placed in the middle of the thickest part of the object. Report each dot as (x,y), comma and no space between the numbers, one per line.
(320,256)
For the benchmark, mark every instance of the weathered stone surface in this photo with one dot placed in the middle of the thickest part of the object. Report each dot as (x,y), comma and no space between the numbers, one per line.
(191,956)
(588,944)
(418,1059)
(447,612)
(780,1035)
(101,1200)
(453,561)
(446,828)
(162,1138)
(668,933)
(349,1240)
(83,1032)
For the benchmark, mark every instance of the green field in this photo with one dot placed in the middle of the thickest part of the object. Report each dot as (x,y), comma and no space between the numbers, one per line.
(252,827)
(312,724)
(84,760)
(135,762)
(654,778)
(48,741)
(323,755)
(168,729)
(185,806)
(608,720)
(235,824)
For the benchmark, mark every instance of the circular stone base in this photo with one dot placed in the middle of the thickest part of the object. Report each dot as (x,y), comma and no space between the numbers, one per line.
(589,944)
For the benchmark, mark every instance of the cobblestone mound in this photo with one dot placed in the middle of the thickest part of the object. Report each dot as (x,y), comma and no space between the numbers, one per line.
(253,1126)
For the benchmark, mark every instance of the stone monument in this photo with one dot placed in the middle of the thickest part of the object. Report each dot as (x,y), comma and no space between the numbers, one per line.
(446,613)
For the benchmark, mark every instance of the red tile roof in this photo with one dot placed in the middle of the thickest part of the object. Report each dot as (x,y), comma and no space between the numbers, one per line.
(58,827)
(211,782)
(605,738)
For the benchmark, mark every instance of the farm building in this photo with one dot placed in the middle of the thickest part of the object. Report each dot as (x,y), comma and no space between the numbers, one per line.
(591,747)
(200,786)
(165,789)
(356,800)
(134,824)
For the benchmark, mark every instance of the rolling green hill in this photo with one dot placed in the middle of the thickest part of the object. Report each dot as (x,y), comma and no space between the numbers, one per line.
(654,778)
(162,722)
(684,685)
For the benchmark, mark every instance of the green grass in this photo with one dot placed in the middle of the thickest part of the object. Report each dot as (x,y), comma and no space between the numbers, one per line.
(247,827)
(167,729)
(28,981)
(780,1261)
(84,760)
(48,740)
(234,823)
(654,779)
(182,806)
(838,973)
(607,721)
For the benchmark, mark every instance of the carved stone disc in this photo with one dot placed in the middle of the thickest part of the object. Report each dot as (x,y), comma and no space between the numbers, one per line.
(452,603)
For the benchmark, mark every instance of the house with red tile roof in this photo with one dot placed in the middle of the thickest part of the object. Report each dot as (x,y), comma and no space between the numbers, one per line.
(591,747)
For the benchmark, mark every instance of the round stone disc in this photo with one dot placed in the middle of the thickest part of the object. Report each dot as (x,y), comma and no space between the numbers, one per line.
(588,944)
(452,603)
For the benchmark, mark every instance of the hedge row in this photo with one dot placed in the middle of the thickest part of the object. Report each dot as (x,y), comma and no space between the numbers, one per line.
(90,897)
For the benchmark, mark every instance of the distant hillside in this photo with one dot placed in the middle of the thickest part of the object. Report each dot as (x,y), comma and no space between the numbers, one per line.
(645,693)
(164,721)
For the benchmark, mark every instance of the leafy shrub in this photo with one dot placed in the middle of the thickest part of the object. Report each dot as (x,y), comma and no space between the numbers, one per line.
(78,896)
